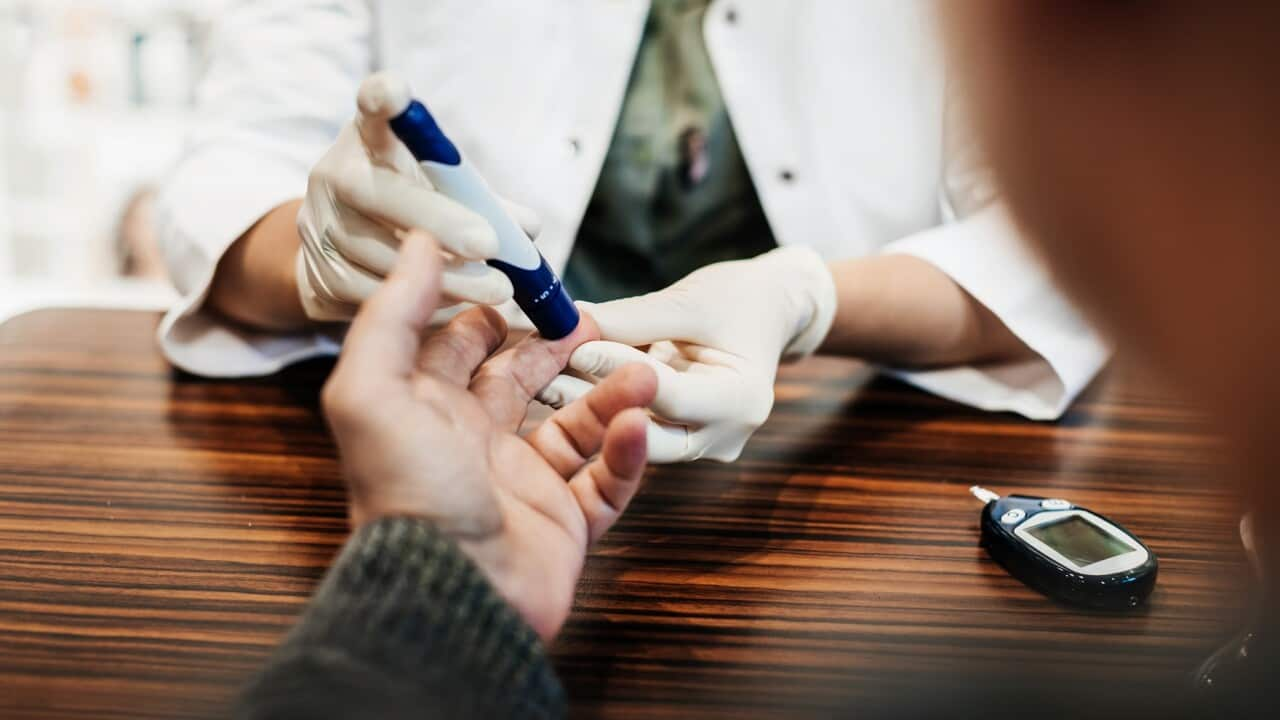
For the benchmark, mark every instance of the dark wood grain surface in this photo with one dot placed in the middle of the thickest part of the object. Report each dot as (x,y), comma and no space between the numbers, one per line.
(158,533)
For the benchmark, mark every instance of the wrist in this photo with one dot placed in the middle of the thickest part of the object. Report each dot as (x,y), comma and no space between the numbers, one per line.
(313,299)
(903,311)
(253,283)
(810,293)
(403,573)
(541,595)
(305,288)
(483,543)
(474,522)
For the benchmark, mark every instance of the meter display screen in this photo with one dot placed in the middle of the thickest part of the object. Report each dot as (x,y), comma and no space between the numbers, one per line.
(1079,540)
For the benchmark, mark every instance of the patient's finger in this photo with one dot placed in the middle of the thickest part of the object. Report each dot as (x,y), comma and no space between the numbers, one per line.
(384,337)
(604,488)
(572,435)
(507,383)
(453,352)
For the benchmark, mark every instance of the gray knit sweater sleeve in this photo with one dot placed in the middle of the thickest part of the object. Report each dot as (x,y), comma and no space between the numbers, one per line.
(405,626)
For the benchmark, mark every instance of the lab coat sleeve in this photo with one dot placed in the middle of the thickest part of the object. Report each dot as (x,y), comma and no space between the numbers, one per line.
(281,82)
(984,255)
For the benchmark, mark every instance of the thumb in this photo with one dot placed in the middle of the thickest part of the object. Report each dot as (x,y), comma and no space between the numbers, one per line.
(646,319)
(384,338)
(383,96)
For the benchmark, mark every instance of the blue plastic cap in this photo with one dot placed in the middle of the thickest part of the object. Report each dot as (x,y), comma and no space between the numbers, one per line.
(542,297)
(419,132)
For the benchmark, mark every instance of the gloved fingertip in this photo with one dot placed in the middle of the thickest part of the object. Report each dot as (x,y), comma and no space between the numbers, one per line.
(551,397)
(526,218)
(487,288)
(606,316)
(563,390)
(489,297)
(383,96)
(586,359)
(667,443)
(479,242)
(501,293)
(587,310)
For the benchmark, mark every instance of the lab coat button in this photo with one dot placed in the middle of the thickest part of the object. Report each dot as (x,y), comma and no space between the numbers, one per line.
(575,146)
(786,176)
(731,16)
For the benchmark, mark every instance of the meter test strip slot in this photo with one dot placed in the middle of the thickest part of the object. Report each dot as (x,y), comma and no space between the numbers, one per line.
(538,291)
(1067,552)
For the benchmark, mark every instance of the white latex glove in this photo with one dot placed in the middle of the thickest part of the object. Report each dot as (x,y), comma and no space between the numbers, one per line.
(364,192)
(715,339)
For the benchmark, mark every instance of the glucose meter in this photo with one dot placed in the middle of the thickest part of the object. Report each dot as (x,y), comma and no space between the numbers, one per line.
(1067,552)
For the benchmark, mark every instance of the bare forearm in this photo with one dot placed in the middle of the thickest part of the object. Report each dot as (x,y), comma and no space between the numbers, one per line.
(255,283)
(900,310)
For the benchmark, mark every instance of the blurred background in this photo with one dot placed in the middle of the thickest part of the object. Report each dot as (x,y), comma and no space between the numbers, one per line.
(94,95)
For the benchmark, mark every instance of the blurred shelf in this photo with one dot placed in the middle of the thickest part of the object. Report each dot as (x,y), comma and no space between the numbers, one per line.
(94,106)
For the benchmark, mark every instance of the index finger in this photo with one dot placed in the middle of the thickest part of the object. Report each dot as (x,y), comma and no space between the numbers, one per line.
(453,352)
(382,344)
(573,434)
(507,383)
(395,200)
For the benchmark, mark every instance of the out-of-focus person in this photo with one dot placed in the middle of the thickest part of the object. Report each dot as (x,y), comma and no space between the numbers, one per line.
(1138,144)
(137,245)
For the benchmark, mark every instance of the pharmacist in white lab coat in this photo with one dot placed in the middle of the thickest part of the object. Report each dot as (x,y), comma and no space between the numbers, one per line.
(648,140)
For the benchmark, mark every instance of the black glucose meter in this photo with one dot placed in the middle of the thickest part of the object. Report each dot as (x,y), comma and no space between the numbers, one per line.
(1065,551)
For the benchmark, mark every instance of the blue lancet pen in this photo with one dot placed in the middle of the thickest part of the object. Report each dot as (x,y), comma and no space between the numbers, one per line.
(538,291)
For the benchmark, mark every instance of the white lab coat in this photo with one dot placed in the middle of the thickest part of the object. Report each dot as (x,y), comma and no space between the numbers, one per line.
(838,107)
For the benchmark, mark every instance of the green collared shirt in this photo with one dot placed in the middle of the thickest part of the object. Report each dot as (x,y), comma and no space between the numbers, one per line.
(674,193)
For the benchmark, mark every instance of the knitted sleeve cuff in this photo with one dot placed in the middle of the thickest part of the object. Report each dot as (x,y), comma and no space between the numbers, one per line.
(404,618)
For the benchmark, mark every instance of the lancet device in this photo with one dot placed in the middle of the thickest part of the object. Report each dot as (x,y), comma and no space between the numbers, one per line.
(538,291)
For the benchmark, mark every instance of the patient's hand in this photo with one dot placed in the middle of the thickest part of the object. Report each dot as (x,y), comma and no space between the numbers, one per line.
(426,425)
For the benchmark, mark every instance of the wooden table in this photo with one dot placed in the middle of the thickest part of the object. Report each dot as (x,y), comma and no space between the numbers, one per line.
(158,533)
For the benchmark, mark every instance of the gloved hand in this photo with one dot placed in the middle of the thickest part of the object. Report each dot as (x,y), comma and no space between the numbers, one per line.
(362,196)
(715,339)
